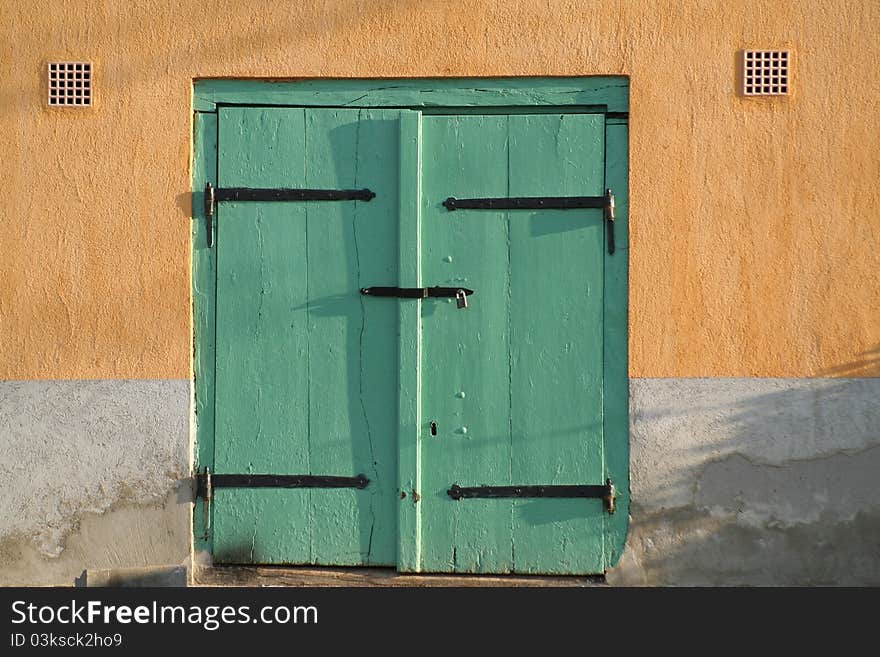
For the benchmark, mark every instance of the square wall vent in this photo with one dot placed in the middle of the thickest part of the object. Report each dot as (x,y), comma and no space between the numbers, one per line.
(766,72)
(70,84)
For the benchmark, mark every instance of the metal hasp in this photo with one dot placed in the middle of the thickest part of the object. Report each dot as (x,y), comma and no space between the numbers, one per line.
(459,293)
(214,195)
(604,492)
(605,203)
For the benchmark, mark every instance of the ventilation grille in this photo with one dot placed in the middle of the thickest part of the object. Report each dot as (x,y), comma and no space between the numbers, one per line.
(765,72)
(70,84)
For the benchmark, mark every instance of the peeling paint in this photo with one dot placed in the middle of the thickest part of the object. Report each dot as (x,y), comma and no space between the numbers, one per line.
(798,492)
(73,449)
(753,481)
(689,547)
(123,535)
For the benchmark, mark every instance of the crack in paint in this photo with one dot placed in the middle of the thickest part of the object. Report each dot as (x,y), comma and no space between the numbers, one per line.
(258,336)
(352,102)
(357,253)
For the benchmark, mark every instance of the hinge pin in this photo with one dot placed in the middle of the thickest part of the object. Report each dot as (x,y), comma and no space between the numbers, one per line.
(208,495)
(609,220)
(610,496)
(209,214)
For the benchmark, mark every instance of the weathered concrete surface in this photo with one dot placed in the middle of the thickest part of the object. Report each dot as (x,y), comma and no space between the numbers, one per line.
(93,474)
(151,576)
(754,481)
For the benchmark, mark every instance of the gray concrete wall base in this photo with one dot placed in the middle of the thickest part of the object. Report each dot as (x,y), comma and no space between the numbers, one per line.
(149,576)
(753,481)
(734,481)
(93,475)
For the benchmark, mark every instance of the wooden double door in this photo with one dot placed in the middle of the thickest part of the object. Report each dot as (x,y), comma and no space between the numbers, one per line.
(408,370)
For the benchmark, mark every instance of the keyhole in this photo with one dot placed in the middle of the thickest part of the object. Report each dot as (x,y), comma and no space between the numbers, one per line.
(433,428)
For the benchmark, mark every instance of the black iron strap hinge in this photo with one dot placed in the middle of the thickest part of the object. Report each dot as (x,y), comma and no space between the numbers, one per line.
(206,482)
(604,492)
(460,293)
(214,195)
(541,203)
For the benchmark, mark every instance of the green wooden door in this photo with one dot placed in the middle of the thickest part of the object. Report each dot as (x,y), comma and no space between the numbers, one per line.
(511,387)
(306,372)
(313,378)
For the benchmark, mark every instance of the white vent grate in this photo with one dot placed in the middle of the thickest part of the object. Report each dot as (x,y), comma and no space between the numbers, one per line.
(766,72)
(70,84)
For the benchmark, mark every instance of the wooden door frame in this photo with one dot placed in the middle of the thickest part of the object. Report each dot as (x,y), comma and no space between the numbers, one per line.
(606,95)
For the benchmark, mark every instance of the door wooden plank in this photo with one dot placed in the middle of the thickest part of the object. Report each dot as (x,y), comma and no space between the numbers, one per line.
(465,373)
(556,341)
(616,345)
(262,349)
(376,229)
(338,436)
(204,279)
(352,343)
(410,427)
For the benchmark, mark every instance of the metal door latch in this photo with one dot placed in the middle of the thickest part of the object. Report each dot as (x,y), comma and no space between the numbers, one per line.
(460,293)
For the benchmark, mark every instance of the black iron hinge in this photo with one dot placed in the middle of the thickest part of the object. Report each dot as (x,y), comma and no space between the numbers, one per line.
(206,482)
(214,195)
(604,492)
(605,202)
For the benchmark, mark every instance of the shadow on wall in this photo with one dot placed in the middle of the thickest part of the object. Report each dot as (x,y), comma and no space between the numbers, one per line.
(867,364)
(756,481)
(181,40)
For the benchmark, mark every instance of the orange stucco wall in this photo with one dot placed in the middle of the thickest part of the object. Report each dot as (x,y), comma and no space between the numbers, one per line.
(755,224)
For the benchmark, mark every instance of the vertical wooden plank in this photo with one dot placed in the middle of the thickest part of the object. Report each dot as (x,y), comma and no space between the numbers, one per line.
(409,531)
(376,231)
(465,375)
(555,325)
(336,427)
(616,343)
(262,370)
(203,280)
(352,339)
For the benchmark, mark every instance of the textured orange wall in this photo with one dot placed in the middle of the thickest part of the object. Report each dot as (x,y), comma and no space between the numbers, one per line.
(755,224)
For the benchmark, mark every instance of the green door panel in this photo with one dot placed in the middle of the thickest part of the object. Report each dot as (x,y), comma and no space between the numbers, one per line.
(514,383)
(311,377)
(306,372)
